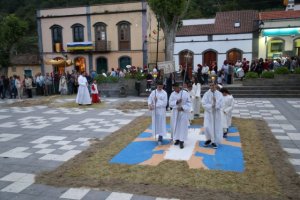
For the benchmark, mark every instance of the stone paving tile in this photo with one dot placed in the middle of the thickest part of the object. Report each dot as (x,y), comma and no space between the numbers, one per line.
(283,123)
(139,197)
(75,193)
(94,194)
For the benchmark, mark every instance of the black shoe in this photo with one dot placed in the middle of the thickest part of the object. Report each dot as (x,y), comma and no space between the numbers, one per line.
(176,142)
(214,145)
(207,143)
(159,141)
(181,145)
(225,135)
(160,138)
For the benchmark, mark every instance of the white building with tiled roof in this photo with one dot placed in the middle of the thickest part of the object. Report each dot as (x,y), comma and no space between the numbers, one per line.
(279,34)
(229,36)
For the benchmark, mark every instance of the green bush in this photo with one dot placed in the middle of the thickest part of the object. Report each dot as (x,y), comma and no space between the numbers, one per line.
(250,75)
(102,79)
(282,70)
(267,74)
(135,75)
(297,70)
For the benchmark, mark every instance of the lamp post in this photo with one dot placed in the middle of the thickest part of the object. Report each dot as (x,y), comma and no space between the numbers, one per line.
(157,38)
(65,55)
(187,56)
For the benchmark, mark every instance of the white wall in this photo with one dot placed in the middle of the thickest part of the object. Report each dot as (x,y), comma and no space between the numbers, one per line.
(238,41)
(197,21)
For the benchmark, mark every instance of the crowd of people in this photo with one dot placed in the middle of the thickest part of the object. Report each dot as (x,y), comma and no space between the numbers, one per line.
(50,84)
(67,83)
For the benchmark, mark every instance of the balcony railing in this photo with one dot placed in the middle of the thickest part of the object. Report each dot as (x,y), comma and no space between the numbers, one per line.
(102,46)
(98,46)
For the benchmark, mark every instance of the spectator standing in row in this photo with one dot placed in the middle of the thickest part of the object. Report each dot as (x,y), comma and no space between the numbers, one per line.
(28,86)
(204,72)
(1,87)
(48,85)
(63,88)
(19,87)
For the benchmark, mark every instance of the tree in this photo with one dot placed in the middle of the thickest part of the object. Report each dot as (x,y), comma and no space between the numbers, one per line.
(169,14)
(12,30)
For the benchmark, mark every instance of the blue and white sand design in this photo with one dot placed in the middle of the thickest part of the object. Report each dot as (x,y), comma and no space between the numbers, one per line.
(144,150)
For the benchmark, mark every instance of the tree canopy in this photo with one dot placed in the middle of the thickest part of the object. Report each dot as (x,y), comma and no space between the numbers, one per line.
(26,9)
(12,30)
(169,13)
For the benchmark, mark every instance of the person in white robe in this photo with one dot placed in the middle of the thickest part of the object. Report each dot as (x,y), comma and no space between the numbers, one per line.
(227,110)
(63,87)
(181,105)
(196,100)
(212,103)
(83,95)
(192,96)
(157,102)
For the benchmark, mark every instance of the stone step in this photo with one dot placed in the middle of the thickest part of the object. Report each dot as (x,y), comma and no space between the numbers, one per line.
(241,91)
(267,95)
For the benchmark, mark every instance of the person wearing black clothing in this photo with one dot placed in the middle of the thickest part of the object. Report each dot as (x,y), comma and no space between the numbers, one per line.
(1,87)
(169,86)
(199,74)
(5,86)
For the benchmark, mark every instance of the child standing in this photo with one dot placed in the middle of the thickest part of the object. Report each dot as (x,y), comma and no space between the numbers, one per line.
(95,93)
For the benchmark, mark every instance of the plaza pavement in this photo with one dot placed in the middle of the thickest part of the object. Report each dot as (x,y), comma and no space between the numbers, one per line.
(38,138)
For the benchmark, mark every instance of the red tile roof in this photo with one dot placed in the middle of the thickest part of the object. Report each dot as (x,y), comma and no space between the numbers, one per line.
(225,21)
(224,24)
(193,30)
(25,59)
(279,14)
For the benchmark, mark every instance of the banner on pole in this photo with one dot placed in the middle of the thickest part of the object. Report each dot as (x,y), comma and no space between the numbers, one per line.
(167,66)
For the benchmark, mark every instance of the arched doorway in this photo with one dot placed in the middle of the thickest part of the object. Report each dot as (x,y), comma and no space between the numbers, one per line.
(297,47)
(80,64)
(209,57)
(233,55)
(124,61)
(186,59)
(101,65)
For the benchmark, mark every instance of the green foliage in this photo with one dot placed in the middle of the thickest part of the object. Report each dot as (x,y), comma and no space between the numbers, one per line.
(12,30)
(109,79)
(297,70)
(267,74)
(169,10)
(250,75)
(135,75)
(282,70)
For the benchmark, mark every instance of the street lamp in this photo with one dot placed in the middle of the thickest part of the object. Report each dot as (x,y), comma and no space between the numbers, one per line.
(157,38)
(187,56)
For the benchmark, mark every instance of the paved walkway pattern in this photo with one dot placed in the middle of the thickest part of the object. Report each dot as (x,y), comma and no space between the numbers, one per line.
(38,138)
